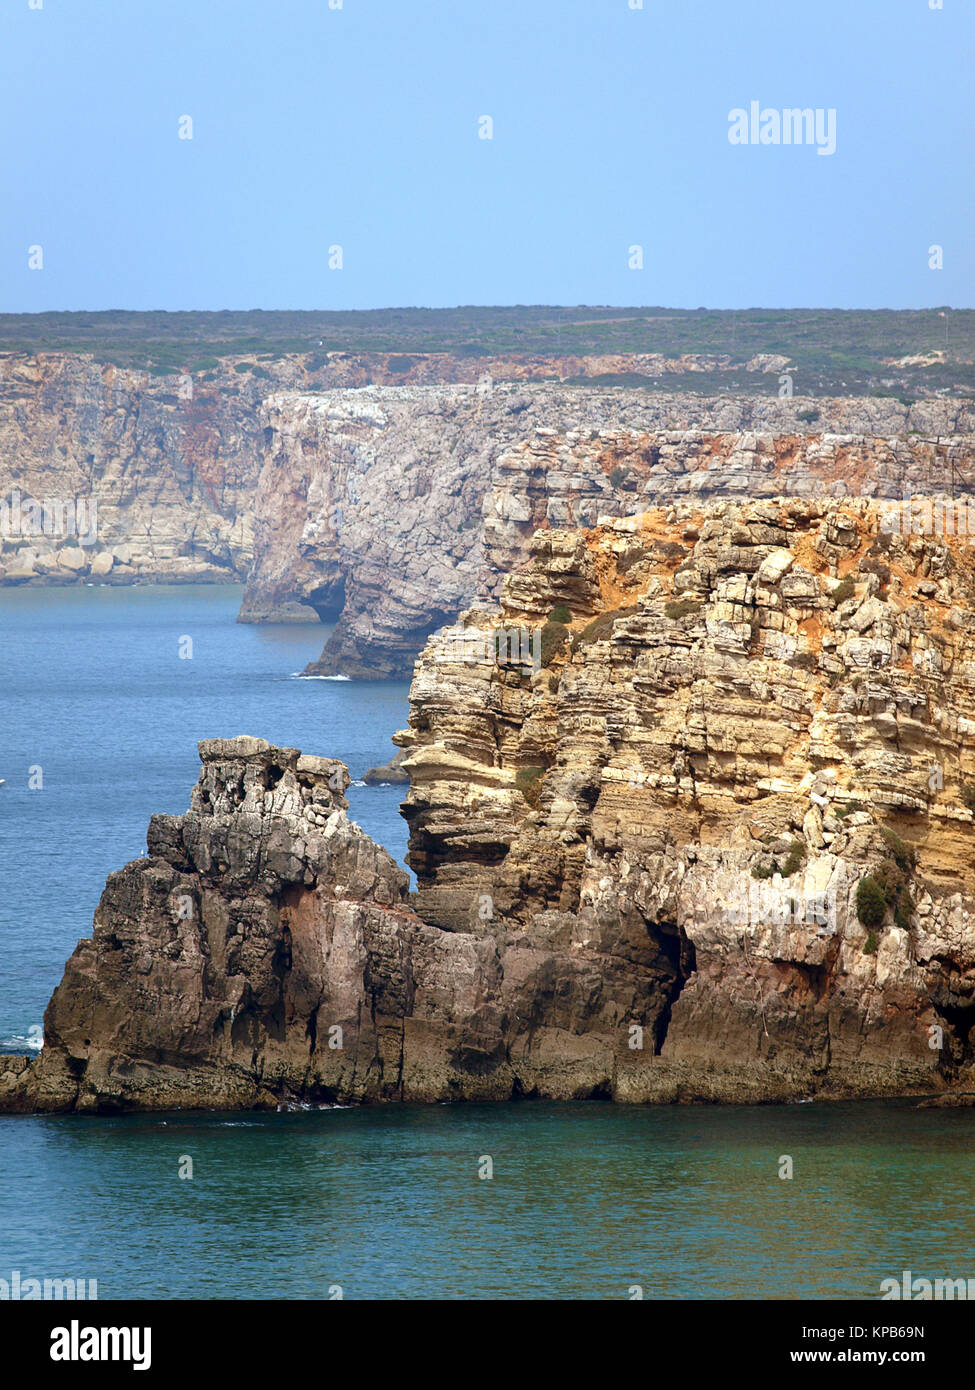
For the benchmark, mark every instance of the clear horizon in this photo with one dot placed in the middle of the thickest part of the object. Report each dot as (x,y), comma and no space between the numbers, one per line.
(447,308)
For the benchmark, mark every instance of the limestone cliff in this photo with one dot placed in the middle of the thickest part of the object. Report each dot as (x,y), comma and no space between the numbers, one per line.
(741,713)
(691,816)
(164,466)
(161,471)
(390,509)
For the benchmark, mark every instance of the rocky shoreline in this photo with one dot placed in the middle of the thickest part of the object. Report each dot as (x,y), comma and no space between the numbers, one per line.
(711,840)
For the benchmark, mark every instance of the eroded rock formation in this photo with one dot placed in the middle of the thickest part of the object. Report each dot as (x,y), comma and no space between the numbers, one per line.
(742,713)
(710,839)
(391,509)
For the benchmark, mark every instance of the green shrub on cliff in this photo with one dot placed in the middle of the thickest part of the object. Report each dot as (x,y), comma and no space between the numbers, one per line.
(554,638)
(600,628)
(903,855)
(794,859)
(528,780)
(790,865)
(682,608)
(844,590)
(561,613)
(871,902)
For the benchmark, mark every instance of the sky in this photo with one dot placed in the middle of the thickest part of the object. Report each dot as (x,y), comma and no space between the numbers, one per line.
(357,124)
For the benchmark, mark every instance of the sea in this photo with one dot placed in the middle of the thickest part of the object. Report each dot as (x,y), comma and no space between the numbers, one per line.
(104,693)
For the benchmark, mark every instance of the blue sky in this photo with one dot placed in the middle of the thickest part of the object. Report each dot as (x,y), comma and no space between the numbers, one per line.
(358,127)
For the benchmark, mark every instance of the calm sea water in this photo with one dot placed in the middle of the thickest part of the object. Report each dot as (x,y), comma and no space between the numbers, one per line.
(585,1200)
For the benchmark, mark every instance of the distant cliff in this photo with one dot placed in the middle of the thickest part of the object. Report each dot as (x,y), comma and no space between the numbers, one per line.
(388,510)
(706,835)
(121,475)
(164,480)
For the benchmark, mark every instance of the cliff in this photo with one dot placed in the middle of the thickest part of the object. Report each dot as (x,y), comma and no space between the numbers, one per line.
(741,714)
(389,510)
(118,476)
(123,475)
(691,816)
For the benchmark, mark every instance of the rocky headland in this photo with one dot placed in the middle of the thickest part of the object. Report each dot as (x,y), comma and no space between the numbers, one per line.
(691,814)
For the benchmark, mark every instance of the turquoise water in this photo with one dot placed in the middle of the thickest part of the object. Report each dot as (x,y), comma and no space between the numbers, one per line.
(93,692)
(585,1200)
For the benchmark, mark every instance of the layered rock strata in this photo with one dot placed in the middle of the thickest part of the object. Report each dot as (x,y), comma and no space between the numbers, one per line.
(691,816)
(741,714)
(163,467)
(389,510)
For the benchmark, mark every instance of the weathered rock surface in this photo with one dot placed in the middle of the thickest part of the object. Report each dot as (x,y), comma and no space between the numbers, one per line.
(641,860)
(146,478)
(390,509)
(166,466)
(746,710)
(222,965)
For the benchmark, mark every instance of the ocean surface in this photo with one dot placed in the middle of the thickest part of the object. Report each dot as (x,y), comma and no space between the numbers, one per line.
(585,1201)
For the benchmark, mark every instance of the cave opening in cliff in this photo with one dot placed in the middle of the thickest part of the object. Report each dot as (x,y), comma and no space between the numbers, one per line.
(960,1018)
(680,962)
(272,776)
(328,600)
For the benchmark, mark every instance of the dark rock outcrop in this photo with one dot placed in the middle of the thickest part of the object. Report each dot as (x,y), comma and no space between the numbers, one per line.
(391,773)
(264,953)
